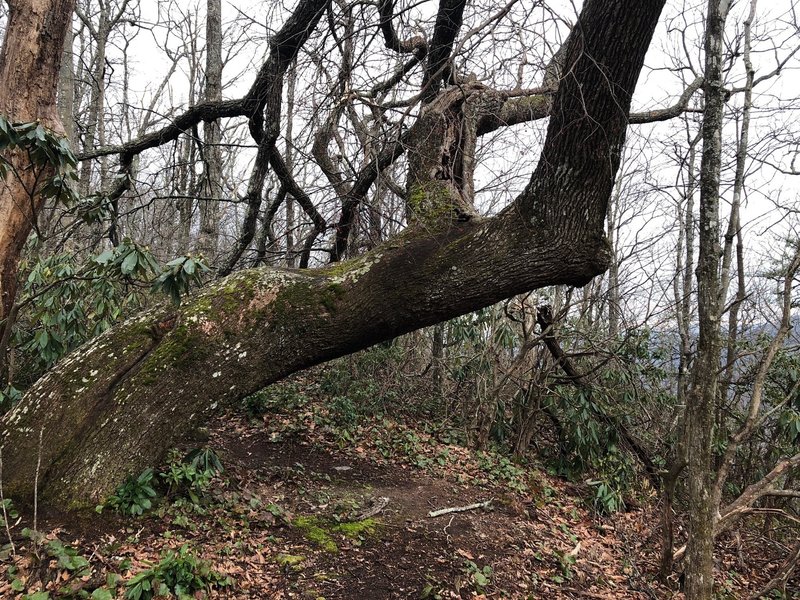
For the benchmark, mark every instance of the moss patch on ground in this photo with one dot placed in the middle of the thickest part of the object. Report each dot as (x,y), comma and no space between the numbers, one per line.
(356,529)
(293,562)
(320,532)
(314,531)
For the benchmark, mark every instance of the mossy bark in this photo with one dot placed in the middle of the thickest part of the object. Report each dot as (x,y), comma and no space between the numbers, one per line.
(115,405)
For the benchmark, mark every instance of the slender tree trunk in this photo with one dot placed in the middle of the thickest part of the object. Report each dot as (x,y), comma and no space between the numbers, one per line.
(437,359)
(66,86)
(734,242)
(96,103)
(291,255)
(187,187)
(210,209)
(683,313)
(701,401)
(613,299)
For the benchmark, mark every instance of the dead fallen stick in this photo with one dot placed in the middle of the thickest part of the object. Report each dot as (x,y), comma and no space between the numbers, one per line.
(455,509)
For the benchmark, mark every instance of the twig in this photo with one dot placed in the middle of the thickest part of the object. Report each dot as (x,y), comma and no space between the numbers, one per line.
(455,509)
(446,527)
(778,582)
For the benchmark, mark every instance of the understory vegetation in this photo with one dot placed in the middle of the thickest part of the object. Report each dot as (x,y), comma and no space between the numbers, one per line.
(318,467)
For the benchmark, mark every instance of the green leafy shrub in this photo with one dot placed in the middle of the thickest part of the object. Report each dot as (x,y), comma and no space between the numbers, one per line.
(135,496)
(65,301)
(180,573)
(591,444)
(191,475)
(46,149)
(354,385)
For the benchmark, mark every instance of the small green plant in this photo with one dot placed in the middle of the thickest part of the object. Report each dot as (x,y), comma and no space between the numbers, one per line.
(275,510)
(180,573)
(133,497)
(607,499)
(191,475)
(8,514)
(566,562)
(481,576)
(67,557)
(343,411)
(433,590)
(9,396)
(205,459)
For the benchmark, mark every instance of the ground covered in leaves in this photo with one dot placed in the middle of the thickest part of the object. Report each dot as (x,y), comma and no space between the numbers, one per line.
(299,495)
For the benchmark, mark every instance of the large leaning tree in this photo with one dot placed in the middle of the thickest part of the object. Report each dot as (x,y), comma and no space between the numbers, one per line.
(116,404)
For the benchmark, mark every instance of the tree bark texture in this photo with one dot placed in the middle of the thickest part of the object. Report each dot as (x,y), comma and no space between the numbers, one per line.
(30,60)
(119,402)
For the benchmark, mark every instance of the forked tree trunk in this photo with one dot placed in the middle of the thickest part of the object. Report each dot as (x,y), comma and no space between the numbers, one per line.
(115,405)
(29,65)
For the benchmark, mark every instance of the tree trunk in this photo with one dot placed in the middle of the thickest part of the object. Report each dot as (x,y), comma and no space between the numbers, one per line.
(682,288)
(701,400)
(66,112)
(29,65)
(95,118)
(212,136)
(66,86)
(118,403)
(291,255)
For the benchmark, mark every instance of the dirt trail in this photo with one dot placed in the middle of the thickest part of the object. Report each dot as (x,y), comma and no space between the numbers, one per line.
(519,548)
(286,521)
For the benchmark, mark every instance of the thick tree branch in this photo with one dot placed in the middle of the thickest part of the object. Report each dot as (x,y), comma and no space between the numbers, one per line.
(537,105)
(416,44)
(448,24)
(665,114)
